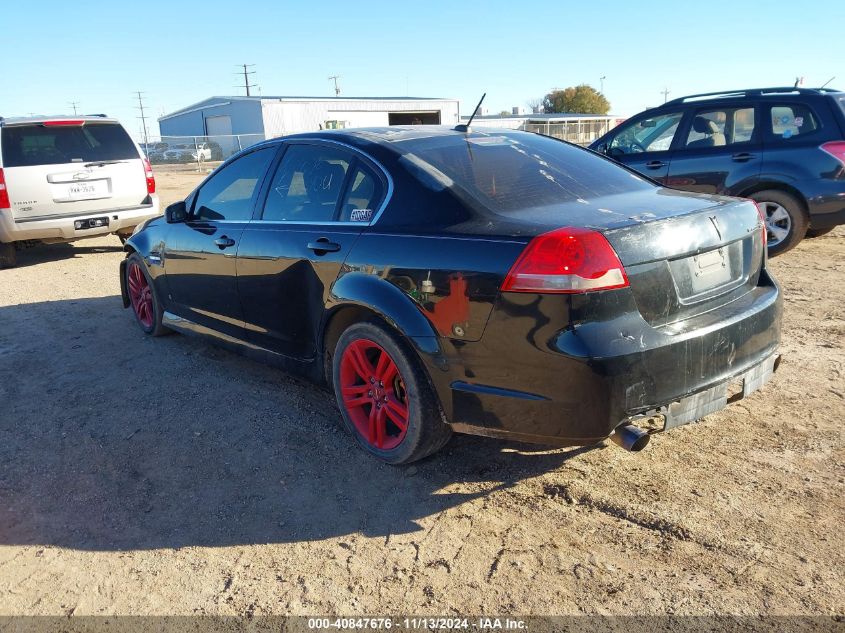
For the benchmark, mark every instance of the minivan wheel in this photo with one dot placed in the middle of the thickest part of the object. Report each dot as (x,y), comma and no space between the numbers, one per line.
(142,297)
(8,255)
(786,219)
(384,396)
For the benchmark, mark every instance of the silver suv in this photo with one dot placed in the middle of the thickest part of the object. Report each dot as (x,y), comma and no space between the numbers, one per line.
(67,178)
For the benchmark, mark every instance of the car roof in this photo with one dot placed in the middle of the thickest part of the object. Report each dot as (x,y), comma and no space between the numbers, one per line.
(28,120)
(749,93)
(389,137)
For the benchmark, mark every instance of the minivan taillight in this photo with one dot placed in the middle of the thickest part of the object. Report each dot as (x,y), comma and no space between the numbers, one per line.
(151,179)
(835,149)
(4,193)
(566,260)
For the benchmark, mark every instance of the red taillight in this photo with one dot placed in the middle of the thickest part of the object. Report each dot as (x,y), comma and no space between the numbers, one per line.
(762,215)
(4,193)
(151,179)
(835,149)
(567,260)
(63,122)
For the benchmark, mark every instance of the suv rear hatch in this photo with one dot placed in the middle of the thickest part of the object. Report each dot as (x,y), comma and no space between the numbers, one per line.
(66,168)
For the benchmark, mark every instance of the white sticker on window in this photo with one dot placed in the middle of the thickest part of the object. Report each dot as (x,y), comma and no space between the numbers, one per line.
(361,215)
(799,121)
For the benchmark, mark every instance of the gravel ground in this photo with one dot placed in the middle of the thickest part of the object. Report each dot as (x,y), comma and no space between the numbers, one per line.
(142,476)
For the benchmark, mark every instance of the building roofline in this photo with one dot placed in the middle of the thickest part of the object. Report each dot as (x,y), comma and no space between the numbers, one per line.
(259,98)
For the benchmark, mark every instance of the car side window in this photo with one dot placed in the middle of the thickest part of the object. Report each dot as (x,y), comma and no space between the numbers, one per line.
(307,184)
(788,121)
(229,194)
(653,134)
(725,126)
(365,195)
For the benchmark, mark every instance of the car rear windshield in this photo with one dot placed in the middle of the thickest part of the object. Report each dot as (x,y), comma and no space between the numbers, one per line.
(28,145)
(507,172)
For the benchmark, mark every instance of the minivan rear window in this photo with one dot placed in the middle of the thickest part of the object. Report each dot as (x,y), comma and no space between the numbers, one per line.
(28,145)
(509,172)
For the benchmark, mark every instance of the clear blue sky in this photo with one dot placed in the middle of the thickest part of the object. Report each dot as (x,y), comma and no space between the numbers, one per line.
(178,52)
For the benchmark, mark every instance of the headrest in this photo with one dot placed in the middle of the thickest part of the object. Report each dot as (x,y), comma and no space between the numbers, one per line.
(704,126)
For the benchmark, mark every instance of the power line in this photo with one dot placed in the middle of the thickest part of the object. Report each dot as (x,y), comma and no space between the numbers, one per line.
(246,73)
(336,87)
(143,116)
(74,104)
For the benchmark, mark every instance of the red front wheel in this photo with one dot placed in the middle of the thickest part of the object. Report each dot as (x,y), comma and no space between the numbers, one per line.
(384,396)
(142,296)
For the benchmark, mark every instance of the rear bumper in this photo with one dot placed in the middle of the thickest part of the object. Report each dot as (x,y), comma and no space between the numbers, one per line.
(61,228)
(577,386)
(826,203)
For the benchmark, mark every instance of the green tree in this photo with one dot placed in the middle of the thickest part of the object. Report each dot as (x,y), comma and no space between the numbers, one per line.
(583,99)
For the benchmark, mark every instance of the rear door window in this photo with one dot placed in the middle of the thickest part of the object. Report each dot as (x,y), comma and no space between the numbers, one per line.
(792,120)
(29,145)
(721,127)
(308,184)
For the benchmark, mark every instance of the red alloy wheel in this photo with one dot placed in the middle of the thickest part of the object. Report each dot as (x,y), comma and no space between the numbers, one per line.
(140,294)
(374,394)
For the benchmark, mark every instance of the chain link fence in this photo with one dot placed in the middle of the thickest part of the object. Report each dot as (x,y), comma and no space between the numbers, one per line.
(578,132)
(200,152)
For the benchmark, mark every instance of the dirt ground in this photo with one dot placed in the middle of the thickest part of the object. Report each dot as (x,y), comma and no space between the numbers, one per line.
(165,476)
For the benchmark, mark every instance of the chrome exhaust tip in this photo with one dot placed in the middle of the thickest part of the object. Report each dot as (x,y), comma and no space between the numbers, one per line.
(630,437)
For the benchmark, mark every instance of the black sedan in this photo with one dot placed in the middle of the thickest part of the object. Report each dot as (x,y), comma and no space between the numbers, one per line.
(491,282)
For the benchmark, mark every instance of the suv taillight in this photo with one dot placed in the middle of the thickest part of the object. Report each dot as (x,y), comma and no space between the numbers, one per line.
(835,149)
(151,179)
(567,260)
(4,193)
(762,215)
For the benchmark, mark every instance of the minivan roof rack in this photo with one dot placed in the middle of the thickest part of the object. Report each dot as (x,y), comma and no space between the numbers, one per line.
(753,92)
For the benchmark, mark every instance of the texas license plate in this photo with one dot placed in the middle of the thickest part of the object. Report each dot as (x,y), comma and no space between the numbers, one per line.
(87,190)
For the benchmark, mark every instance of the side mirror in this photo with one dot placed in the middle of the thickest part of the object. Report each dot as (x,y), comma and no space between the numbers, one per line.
(602,149)
(176,212)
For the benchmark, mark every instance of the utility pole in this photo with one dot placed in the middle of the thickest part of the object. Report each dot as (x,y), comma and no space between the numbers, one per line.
(601,79)
(246,74)
(143,116)
(665,94)
(336,88)
(74,104)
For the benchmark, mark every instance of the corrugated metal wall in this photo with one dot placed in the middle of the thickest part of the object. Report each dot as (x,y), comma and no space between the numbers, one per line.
(245,115)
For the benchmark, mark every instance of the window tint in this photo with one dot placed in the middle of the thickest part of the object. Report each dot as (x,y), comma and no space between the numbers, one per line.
(228,195)
(726,126)
(792,120)
(509,172)
(365,194)
(649,135)
(27,145)
(307,184)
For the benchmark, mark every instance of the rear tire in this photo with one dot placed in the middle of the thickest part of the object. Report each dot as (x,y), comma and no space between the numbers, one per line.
(381,387)
(8,255)
(786,219)
(818,232)
(143,298)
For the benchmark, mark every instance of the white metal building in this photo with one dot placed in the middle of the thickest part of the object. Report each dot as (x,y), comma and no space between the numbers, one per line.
(278,116)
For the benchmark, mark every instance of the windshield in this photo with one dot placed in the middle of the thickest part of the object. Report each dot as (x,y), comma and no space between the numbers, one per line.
(510,172)
(28,145)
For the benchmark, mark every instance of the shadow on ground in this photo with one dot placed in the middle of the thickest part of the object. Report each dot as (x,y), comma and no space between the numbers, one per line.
(112,441)
(43,253)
